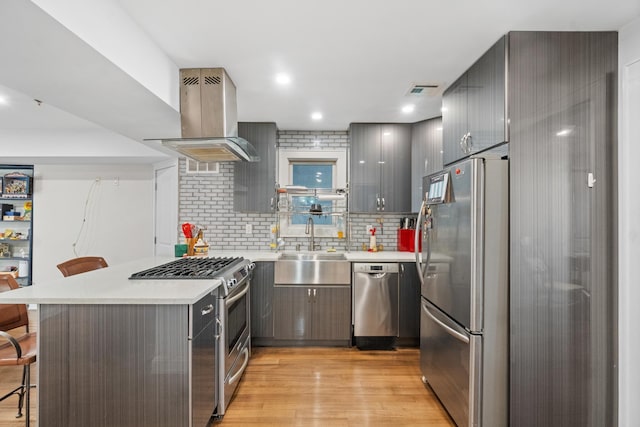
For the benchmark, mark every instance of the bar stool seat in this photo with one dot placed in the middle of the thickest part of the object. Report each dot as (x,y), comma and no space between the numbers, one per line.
(17,349)
(81,265)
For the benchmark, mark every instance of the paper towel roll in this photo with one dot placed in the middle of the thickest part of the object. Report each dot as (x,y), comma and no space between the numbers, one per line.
(23,268)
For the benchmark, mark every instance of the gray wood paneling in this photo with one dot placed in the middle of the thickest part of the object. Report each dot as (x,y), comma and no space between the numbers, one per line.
(562,107)
(364,176)
(378,169)
(395,172)
(409,302)
(454,119)
(486,102)
(292,313)
(262,300)
(426,155)
(254,182)
(113,365)
(331,313)
(475,104)
(306,316)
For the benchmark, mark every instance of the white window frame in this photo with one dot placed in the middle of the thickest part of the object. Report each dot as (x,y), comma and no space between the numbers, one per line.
(286,158)
(194,167)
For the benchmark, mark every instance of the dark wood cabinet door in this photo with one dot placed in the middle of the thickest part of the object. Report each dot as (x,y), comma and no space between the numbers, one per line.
(254,182)
(395,172)
(409,300)
(292,316)
(454,120)
(331,317)
(262,300)
(486,102)
(365,169)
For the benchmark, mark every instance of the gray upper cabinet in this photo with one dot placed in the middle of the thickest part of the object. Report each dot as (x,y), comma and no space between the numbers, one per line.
(474,107)
(380,180)
(426,155)
(254,183)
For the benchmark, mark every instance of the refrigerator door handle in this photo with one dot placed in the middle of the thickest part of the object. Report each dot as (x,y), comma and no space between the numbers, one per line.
(416,236)
(457,335)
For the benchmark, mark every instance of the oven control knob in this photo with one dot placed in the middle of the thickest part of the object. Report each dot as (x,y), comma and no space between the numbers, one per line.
(251,266)
(232,282)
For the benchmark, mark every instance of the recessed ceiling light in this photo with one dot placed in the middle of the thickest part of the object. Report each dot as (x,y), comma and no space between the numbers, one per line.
(408,108)
(283,79)
(316,116)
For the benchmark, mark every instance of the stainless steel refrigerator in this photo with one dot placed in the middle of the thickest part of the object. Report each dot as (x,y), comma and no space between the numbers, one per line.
(463,268)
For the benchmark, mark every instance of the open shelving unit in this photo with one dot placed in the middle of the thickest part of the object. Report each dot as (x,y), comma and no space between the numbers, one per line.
(329,209)
(16,230)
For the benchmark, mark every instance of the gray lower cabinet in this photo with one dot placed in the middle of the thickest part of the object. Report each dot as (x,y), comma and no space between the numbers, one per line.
(262,302)
(409,301)
(127,365)
(313,314)
(379,177)
(474,106)
(254,182)
(426,155)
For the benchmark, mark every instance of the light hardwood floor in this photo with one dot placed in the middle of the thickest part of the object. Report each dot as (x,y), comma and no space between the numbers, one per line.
(309,387)
(334,387)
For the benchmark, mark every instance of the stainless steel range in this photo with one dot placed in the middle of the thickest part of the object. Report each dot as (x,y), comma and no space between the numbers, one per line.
(233,312)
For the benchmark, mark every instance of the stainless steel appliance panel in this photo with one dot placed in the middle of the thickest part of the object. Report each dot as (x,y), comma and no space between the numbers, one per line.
(375,299)
(449,359)
(235,341)
(456,233)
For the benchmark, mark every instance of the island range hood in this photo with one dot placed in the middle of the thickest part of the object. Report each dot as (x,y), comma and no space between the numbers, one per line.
(209,118)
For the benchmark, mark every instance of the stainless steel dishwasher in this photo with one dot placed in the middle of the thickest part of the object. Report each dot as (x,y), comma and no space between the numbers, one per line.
(375,305)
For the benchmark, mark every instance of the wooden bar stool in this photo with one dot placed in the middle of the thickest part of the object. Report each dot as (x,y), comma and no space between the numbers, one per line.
(17,350)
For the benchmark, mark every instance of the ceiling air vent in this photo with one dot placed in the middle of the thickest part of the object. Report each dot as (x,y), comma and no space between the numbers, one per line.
(425,89)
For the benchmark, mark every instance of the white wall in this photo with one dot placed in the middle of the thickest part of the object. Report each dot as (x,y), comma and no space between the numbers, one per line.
(629,226)
(119,213)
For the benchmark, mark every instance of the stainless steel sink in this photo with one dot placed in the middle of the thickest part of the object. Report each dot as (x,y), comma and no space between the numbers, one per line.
(307,268)
(308,256)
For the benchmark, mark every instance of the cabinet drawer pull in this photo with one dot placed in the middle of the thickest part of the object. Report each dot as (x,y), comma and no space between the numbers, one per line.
(206,310)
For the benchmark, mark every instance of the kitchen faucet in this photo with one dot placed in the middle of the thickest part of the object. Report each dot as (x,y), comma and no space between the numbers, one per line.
(310,230)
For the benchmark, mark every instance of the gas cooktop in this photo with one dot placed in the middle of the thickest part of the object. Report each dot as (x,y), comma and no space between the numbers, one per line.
(190,268)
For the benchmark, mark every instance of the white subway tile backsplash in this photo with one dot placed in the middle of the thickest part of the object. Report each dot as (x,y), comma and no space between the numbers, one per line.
(207,201)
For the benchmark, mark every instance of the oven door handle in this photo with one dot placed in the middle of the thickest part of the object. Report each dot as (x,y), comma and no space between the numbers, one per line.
(235,298)
(237,375)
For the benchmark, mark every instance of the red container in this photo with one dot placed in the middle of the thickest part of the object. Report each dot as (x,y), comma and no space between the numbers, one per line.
(406,240)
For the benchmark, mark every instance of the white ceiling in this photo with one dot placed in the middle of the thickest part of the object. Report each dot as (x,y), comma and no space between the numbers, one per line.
(109,67)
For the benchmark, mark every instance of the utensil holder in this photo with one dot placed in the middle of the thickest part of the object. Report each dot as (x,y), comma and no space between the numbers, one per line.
(191,242)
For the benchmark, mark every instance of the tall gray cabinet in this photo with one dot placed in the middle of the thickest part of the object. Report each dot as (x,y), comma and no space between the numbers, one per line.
(254,182)
(562,97)
(379,177)
(474,107)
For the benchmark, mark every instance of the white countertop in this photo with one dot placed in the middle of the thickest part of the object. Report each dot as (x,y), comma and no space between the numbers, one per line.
(111,285)
(355,256)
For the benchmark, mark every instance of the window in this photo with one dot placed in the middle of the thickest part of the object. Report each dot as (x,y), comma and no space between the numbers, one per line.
(311,174)
(194,167)
(311,169)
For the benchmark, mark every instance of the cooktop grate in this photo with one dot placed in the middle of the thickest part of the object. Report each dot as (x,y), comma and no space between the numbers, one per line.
(187,268)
